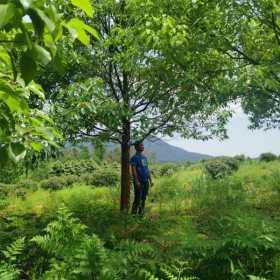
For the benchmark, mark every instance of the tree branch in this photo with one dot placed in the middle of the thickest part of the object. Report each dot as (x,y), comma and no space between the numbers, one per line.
(155,128)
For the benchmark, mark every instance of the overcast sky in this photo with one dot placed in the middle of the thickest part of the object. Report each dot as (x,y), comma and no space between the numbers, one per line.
(241,140)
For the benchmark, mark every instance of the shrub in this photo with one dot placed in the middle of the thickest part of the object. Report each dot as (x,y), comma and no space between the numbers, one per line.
(268,157)
(240,158)
(73,167)
(28,184)
(168,168)
(221,167)
(59,182)
(10,173)
(164,169)
(42,172)
(54,183)
(102,177)
(71,179)
(4,189)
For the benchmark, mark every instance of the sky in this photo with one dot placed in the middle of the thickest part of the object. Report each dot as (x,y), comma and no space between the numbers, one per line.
(241,140)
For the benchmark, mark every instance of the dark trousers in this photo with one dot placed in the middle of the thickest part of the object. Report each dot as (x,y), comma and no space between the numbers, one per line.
(140,195)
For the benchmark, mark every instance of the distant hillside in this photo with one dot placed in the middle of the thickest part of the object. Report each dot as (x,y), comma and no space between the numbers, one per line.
(164,152)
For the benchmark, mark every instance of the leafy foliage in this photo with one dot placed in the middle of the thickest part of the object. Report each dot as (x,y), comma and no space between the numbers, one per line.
(58,183)
(10,173)
(74,254)
(73,167)
(220,167)
(10,268)
(195,226)
(29,32)
(102,177)
(267,157)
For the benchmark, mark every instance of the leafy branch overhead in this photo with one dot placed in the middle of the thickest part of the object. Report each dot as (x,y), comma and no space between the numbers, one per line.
(29,32)
(131,75)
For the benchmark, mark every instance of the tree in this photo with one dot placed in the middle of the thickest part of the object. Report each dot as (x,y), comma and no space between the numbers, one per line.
(29,31)
(146,76)
(249,33)
(99,151)
(260,43)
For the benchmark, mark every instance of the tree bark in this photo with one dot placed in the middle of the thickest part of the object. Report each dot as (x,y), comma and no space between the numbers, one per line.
(125,172)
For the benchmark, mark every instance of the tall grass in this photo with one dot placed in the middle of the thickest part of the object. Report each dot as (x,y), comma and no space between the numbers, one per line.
(224,229)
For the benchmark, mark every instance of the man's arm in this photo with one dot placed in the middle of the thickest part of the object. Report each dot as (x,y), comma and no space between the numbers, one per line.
(135,176)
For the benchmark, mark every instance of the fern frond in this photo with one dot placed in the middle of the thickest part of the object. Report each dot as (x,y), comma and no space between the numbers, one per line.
(8,268)
(14,250)
(147,275)
(252,277)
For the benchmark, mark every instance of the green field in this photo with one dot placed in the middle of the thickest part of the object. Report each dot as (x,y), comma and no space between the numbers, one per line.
(193,226)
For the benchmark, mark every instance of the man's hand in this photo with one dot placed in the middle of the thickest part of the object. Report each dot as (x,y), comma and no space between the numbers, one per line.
(138,184)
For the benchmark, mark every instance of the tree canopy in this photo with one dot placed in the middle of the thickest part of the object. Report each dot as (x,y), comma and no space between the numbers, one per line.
(29,32)
(153,72)
(249,33)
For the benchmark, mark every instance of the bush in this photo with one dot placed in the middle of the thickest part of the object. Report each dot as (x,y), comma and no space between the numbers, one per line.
(168,168)
(54,183)
(165,169)
(28,184)
(71,179)
(4,189)
(240,158)
(60,182)
(102,177)
(268,157)
(221,167)
(73,167)
(10,173)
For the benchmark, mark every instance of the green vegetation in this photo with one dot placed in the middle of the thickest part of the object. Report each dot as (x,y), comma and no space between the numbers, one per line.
(220,167)
(194,226)
(29,34)
(124,70)
(268,157)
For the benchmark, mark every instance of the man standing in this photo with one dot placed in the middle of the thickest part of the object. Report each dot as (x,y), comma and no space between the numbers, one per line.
(141,178)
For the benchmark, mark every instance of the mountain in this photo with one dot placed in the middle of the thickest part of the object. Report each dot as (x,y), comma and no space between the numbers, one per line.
(165,152)
(162,151)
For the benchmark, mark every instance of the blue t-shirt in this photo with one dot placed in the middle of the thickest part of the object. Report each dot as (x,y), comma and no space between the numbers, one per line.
(141,164)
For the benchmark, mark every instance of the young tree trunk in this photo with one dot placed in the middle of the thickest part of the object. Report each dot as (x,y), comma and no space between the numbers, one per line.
(125,172)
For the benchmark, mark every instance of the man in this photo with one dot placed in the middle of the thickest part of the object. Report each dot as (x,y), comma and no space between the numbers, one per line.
(141,178)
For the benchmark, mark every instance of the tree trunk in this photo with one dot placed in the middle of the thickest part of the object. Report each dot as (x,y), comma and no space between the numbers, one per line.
(125,172)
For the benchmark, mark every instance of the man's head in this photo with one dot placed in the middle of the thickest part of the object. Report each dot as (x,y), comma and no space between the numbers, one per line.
(139,146)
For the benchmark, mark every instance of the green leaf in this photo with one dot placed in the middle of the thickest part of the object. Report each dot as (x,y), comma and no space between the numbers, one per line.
(49,23)
(6,87)
(4,57)
(12,99)
(37,146)
(14,102)
(4,157)
(84,5)
(7,12)
(41,54)
(16,152)
(44,116)
(37,22)
(36,89)
(79,30)
(91,30)
(28,67)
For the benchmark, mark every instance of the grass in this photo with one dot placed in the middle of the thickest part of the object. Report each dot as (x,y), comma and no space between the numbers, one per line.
(187,215)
